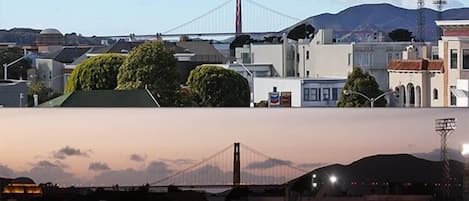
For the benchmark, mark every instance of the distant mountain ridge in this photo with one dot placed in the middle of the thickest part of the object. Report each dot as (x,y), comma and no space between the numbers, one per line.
(382,17)
(393,168)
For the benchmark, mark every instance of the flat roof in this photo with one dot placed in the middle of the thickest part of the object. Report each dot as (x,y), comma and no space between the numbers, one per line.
(303,78)
(452,22)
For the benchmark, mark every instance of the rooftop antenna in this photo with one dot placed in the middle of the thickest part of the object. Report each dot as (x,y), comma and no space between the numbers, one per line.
(444,127)
(439,5)
(420,20)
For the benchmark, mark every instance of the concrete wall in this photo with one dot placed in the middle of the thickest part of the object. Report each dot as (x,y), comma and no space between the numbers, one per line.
(273,54)
(329,60)
(47,69)
(427,81)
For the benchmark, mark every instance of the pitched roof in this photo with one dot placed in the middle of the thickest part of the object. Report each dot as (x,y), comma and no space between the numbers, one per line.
(67,55)
(119,47)
(104,98)
(417,65)
(203,50)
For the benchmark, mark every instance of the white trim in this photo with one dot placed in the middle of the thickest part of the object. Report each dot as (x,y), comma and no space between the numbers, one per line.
(452,22)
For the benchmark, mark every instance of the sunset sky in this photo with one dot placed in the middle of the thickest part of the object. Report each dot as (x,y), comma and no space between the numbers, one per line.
(91,146)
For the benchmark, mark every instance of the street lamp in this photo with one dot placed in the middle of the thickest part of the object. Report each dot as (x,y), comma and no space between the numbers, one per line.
(7,65)
(372,100)
(252,81)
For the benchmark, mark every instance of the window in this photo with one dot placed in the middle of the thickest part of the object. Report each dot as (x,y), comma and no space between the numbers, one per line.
(454,59)
(435,94)
(453,97)
(335,94)
(312,94)
(306,94)
(307,55)
(465,59)
(364,59)
(327,94)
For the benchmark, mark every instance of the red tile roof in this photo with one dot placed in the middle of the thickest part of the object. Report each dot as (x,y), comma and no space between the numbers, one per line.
(417,65)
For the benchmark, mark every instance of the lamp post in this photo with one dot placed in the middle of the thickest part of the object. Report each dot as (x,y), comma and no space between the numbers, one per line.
(372,100)
(252,82)
(7,65)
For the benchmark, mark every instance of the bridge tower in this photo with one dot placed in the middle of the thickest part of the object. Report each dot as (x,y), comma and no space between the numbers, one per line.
(239,17)
(237,164)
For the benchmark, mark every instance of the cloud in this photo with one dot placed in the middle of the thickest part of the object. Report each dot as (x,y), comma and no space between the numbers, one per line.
(269,163)
(46,171)
(179,162)
(69,151)
(138,158)
(98,166)
(5,171)
(434,155)
(154,171)
(310,166)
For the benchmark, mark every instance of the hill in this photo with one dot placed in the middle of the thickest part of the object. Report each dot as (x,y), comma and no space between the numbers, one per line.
(381,17)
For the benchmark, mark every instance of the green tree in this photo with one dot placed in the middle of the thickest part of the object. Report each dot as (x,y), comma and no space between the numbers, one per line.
(363,82)
(18,70)
(301,31)
(215,86)
(152,65)
(400,35)
(98,72)
(44,93)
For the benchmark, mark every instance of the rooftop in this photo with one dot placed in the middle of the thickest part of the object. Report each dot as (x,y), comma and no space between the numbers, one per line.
(50,31)
(452,22)
(417,65)
(104,98)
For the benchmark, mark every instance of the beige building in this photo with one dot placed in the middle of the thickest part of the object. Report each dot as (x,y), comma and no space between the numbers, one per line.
(433,83)
(322,56)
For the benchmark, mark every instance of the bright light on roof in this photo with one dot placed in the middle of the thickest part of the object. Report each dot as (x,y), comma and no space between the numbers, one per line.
(465,150)
(333,179)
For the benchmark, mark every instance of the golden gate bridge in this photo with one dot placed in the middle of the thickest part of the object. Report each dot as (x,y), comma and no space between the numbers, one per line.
(250,18)
(227,168)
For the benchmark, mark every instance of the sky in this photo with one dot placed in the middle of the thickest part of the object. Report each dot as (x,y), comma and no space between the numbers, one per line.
(133,146)
(122,17)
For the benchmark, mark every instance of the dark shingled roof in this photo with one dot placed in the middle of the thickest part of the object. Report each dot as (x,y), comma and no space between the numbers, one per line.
(203,50)
(119,47)
(417,65)
(104,98)
(68,54)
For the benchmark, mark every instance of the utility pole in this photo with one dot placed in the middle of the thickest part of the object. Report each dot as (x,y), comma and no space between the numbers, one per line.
(239,17)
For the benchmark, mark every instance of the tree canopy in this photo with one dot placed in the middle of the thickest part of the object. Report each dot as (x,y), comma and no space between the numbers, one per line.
(363,82)
(98,72)
(301,31)
(18,70)
(400,35)
(215,86)
(151,65)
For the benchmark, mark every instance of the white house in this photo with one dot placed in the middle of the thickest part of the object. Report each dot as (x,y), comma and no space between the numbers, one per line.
(305,92)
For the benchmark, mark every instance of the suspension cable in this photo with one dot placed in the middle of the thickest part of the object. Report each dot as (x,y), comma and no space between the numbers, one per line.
(199,17)
(192,167)
(273,11)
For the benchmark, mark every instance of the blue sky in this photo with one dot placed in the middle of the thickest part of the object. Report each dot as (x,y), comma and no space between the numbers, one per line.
(114,17)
